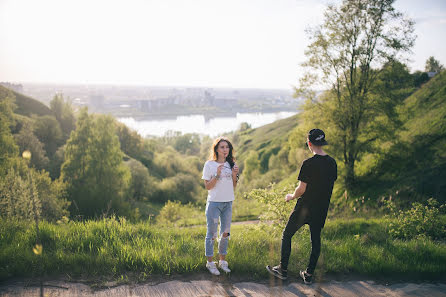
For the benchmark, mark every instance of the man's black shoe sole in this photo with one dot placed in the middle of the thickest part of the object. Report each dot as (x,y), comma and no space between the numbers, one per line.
(270,270)
(303,278)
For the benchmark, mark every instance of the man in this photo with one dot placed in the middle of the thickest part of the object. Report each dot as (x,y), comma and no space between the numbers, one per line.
(316,178)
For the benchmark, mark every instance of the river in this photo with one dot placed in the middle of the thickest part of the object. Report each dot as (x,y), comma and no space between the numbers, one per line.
(200,124)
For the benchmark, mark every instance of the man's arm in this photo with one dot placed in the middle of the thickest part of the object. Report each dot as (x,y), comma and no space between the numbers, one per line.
(300,190)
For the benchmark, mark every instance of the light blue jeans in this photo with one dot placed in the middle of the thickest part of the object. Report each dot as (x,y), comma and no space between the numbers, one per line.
(214,211)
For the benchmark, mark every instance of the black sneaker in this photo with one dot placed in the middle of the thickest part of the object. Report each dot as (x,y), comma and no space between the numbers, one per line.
(308,278)
(277,271)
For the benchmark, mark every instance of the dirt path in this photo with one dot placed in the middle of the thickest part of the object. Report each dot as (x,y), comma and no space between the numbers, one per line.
(223,287)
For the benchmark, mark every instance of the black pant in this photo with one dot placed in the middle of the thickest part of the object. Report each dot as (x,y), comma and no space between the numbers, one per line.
(298,218)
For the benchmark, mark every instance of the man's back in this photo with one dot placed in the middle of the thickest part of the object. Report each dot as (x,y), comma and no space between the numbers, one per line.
(319,173)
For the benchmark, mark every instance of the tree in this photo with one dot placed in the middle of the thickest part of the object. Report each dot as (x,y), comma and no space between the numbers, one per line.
(63,111)
(346,54)
(132,144)
(48,131)
(8,148)
(26,140)
(93,169)
(433,65)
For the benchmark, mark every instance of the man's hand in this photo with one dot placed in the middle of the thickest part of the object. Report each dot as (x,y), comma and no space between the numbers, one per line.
(288,197)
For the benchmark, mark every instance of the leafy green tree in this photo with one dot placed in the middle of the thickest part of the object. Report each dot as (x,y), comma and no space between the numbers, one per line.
(346,52)
(420,78)
(56,162)
(142,184)
(52,196)
(133,145)
(188,144)
(26,140)
(15,196)
(93,168)
(48,131)
(433,65)
(63,111)
(8,148)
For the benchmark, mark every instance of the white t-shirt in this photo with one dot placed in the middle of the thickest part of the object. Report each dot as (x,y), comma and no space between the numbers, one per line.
(223,191)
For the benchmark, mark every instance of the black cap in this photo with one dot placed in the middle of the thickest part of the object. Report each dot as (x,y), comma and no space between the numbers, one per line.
(317,137)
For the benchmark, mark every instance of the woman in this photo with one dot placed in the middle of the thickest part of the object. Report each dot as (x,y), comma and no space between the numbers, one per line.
(220,175)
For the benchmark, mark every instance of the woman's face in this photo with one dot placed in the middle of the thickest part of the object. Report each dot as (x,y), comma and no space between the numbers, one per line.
(223,149)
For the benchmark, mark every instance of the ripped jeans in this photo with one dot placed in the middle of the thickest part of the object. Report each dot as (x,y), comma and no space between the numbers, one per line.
(214,211)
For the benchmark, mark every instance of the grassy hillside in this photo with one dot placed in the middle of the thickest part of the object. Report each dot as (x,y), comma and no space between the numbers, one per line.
(415,164)
(266,140)
(27,106)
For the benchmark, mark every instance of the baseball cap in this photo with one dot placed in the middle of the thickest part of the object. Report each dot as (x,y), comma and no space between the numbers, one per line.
(317,137)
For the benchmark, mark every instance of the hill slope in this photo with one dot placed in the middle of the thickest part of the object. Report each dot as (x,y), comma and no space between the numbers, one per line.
(266,140)
(26,105)
(416,163)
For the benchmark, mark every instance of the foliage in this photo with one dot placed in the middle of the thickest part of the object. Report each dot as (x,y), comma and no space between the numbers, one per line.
(180,187)
(52,195)
(433,65)
(15,197)
(17,192)
(63,111)
(48,131)
(93,168)
(251,165)
(26,140)
(418,221)
(346,51)
(8,148)
(420,78)
(189,143)
(176,214)
(142,186)
(273,198)
(414,162)
(133,145)
(27,106)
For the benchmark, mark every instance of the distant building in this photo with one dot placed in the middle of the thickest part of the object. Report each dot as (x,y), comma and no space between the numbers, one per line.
(15,87)
(431,74)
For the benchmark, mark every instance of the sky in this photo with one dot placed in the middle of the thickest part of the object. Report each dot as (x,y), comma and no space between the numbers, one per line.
(202,43)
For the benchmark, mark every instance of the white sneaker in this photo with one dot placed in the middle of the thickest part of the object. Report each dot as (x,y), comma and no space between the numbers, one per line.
(212,268)
(224,266)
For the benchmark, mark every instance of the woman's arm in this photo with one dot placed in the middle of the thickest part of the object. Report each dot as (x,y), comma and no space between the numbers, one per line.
(209,184)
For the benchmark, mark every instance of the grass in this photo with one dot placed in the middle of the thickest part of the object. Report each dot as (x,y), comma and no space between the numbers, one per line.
(115,247)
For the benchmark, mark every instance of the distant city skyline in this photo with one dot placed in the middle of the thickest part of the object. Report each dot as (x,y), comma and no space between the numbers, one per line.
(200,43)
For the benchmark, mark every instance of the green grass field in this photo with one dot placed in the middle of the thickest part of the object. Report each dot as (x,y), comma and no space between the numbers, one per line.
(113,248)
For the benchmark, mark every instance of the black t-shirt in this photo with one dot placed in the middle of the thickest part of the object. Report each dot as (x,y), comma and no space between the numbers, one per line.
(319,173)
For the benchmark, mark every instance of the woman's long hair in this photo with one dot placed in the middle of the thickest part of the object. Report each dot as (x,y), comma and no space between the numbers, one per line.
(213,153)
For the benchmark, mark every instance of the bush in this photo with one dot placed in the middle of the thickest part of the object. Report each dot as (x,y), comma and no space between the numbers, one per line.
(277,209)
(176,214)
(420,220)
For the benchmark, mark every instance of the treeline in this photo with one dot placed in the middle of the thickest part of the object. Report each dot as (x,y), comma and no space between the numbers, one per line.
(89,165)
(85,165)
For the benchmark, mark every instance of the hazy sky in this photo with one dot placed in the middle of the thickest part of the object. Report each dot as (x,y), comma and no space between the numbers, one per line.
(224,43)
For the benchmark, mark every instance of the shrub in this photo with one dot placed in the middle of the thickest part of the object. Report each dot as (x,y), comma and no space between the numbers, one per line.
(418,221)
(176,214)
(277,209)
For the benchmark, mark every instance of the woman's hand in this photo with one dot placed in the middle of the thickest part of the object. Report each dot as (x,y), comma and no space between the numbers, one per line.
(219,168)
(235,171)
